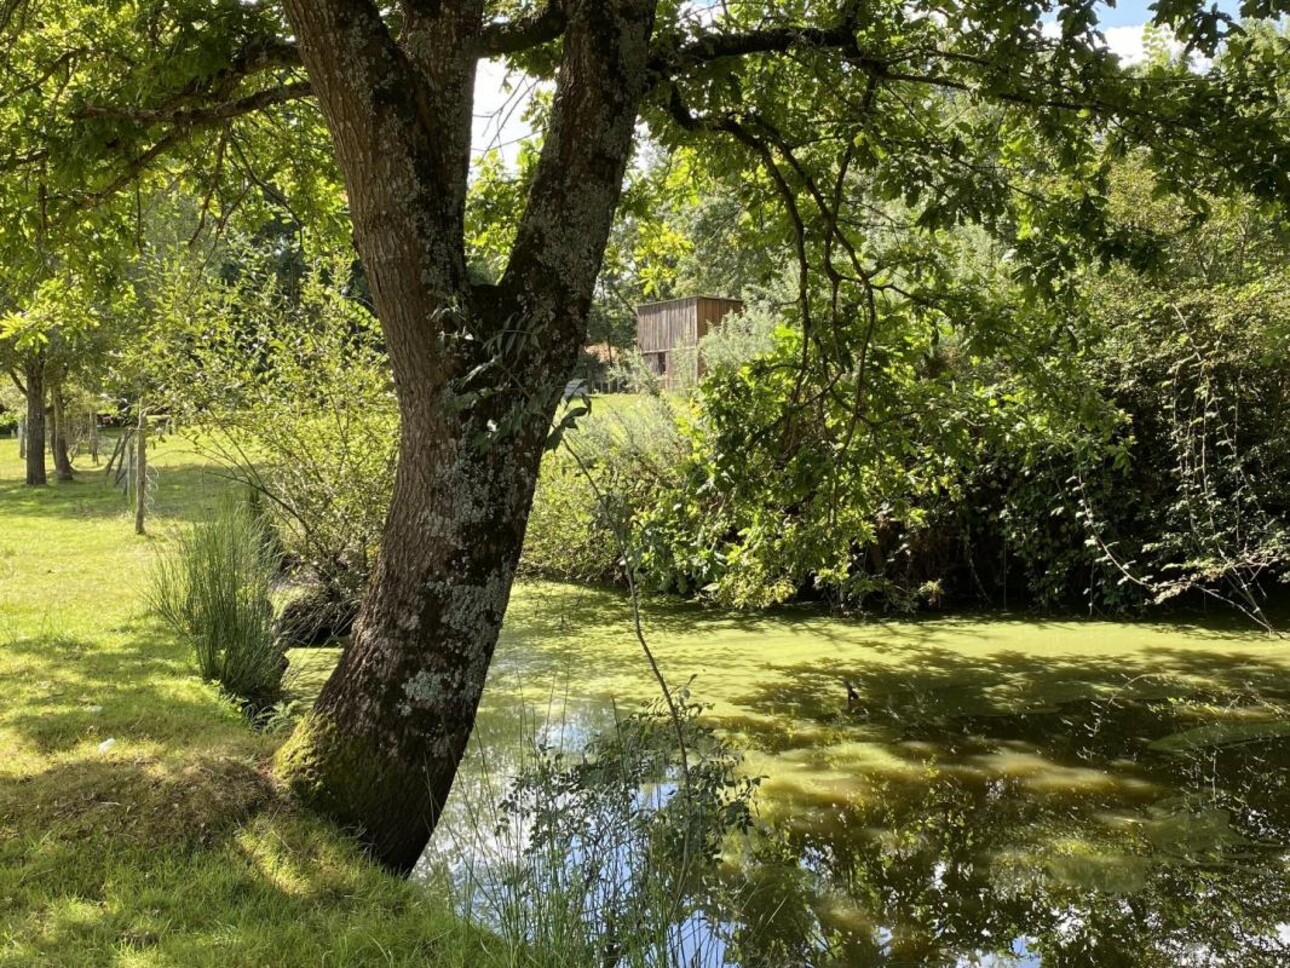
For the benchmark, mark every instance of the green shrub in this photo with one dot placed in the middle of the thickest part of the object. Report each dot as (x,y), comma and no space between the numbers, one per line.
(618,460)
(213,588)
(740,338)
(286,384)
(569,536)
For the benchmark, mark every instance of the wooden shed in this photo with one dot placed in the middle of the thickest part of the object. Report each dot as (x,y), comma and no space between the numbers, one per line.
(668,334)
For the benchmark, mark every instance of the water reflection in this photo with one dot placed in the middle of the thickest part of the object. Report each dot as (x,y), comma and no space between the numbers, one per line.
(1133,811)
(1182,866)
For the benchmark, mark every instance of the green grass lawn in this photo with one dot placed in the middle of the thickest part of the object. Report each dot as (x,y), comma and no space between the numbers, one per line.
(139,824)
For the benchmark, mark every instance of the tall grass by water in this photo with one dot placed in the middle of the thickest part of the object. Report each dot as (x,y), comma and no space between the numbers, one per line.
(213,588)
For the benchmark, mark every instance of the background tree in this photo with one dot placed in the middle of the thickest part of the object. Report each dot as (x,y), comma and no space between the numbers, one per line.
(25,366)
(63,337)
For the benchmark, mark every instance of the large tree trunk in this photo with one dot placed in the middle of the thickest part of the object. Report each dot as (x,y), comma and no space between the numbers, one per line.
(58,437)
(478,371)
(383,744)
(34,373)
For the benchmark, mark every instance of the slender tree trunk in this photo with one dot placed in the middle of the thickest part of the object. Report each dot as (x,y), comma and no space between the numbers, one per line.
(34,373)
(121,453)
(478,369)
(22,438)
(141,472)
(94,438)
(58,435)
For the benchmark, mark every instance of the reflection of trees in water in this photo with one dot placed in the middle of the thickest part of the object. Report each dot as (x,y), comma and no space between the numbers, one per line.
(960,864)
(1136,829)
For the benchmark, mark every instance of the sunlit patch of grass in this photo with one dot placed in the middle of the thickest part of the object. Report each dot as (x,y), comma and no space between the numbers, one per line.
(139,825)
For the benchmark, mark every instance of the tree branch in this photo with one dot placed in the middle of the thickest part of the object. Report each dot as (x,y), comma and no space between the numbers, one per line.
(132,170)
(196,116)
(16,161)
(65,59)
(512,36)
(8,10)
(268,54)
(667,65)
(667,62)
(770,40)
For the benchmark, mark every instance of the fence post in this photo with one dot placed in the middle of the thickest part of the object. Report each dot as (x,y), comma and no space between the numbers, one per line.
(141,471)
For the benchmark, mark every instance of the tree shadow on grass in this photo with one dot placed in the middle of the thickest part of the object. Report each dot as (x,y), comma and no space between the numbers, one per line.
(198,861)
(173,844)
(127,805)
(138,689)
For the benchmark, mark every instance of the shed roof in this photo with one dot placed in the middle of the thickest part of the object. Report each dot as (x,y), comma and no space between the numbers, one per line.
(685,299)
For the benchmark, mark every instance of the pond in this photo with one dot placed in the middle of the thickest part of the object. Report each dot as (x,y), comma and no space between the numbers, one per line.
(993,790)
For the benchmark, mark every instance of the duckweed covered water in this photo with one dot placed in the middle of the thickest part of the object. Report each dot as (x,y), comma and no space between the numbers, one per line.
(944,792)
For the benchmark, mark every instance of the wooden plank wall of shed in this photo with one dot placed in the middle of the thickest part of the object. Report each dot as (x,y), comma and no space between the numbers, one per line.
(660,329)
(666,325)
(678,324)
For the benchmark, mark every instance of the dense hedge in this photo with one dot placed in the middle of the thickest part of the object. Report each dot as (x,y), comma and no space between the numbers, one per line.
(1166,472)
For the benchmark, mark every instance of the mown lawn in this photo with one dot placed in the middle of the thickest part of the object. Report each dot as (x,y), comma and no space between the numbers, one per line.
(139,824)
